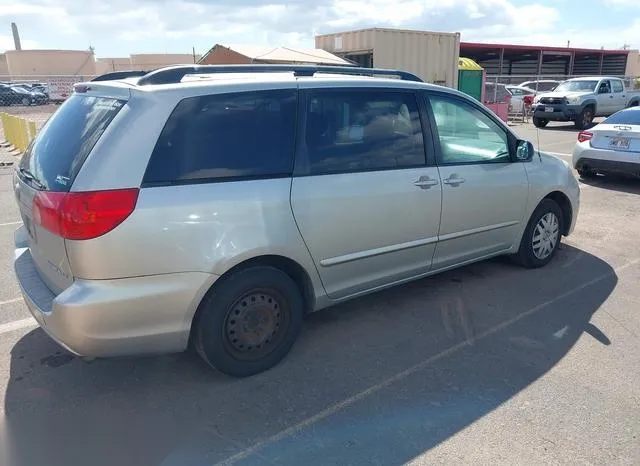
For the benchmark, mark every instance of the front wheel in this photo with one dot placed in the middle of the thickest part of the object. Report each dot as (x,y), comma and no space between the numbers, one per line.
(585,118)
(542,236)
(249,322)
(540,122)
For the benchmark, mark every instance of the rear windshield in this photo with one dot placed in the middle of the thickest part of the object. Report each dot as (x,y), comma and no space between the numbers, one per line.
(625,117)
(55,156)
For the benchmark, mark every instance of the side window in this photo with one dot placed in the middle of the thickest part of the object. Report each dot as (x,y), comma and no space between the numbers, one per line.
(350,130)
(466,134)
(605,87)
(617,85)
(515,91)
(226,136)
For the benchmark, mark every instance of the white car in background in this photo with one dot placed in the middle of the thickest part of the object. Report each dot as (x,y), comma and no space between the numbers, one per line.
(543,85)
(612,146)
(517,97)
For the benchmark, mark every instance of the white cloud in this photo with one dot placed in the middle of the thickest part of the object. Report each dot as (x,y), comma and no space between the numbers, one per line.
(119,27)
(6,43)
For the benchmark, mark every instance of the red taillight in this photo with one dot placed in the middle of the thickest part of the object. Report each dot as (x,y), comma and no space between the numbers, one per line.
(584,136)
(85,215)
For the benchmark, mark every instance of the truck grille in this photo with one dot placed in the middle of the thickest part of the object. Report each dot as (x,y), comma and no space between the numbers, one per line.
(551,100)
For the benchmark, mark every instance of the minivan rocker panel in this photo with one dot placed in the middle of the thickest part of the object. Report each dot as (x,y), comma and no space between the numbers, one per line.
(258,200)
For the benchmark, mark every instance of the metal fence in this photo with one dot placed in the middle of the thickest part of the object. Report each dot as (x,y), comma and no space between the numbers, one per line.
(499,90)
(27,91)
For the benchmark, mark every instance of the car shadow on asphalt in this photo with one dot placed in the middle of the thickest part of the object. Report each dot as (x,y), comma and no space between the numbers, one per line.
(622,184)
(379,380)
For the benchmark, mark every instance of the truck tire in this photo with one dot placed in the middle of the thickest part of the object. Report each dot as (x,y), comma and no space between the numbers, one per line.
(633,104)
(540,122)
(585,118)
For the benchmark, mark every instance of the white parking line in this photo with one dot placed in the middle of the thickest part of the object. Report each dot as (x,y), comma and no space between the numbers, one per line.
(9,224)
(255,448)
(17,325)
(557,154)
(9,301)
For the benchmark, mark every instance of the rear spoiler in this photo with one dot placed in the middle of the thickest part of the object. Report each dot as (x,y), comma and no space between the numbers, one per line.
(115,75)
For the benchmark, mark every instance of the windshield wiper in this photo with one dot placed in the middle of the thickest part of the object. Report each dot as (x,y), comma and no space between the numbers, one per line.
(26,174)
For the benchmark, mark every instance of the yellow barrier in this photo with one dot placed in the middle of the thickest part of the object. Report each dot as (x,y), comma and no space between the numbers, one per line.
(18,132)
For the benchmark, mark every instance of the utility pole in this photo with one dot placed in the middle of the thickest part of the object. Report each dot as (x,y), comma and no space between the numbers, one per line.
(193,49)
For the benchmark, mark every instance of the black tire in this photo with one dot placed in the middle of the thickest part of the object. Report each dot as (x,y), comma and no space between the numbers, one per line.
(584,119)
(586,173)
(633,104)
(248,323)
(540,122)
(526,255)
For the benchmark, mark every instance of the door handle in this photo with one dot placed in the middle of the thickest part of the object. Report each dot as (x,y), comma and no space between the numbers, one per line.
(454,180)
(424,182)
(611,97)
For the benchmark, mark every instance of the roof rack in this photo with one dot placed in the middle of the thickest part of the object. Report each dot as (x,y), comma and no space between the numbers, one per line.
(119,75)
(174,74)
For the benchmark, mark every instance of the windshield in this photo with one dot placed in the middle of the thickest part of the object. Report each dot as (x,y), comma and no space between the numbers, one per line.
(56,155)
(19,90)
(577,86)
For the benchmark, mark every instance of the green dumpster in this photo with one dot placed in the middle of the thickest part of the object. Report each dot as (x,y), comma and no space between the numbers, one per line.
(470,78)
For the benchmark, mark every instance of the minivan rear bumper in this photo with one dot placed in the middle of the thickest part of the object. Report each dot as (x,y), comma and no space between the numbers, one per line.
(122,317)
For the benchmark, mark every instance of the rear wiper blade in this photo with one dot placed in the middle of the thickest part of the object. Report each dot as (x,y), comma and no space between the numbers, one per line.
(31,177)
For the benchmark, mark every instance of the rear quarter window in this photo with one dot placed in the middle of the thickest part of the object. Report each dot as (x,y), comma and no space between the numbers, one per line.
(226,137)
(56,155)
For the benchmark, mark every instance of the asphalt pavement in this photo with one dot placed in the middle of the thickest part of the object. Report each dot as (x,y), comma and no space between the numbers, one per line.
(488,364)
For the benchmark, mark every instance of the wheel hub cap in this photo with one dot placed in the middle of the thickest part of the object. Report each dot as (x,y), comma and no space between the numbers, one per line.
(545,236)
(253,322)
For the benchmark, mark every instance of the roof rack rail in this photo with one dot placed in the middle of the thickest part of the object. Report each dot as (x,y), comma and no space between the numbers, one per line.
(174,74)
(119,75)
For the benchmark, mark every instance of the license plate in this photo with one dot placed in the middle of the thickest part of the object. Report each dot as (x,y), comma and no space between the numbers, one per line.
(548,109)
(619,143)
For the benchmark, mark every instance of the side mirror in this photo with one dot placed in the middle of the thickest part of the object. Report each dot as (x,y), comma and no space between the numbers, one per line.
(524,151)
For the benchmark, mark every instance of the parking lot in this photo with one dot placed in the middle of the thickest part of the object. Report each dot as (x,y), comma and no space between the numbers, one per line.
(487,364)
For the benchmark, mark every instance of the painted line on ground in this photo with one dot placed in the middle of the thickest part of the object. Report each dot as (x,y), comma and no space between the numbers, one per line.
(557,154)
(9,301)
(257,447)
(9,224)
(18,325)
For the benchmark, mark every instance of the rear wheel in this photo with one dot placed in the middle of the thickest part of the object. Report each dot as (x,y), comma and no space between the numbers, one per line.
(540,122)
(585,118)
(542,236)
(250,321)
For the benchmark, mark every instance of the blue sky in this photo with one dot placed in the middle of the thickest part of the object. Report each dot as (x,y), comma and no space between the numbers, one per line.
(118,28)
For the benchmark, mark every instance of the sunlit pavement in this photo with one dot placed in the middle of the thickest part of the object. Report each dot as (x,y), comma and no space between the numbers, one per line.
(488,364)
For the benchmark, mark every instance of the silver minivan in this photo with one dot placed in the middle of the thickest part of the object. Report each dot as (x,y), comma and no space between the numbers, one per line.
(214,207)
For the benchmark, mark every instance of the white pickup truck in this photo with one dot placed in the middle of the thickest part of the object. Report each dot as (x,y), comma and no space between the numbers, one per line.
(581,99)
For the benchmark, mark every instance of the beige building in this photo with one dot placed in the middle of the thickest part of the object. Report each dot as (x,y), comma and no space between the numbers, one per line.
(143,62)
(433,56)
(246,54)
(633,64)
(4,67)
(35,63)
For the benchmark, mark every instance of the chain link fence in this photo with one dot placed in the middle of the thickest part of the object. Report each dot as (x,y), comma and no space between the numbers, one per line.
(514,93)
(30,91)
